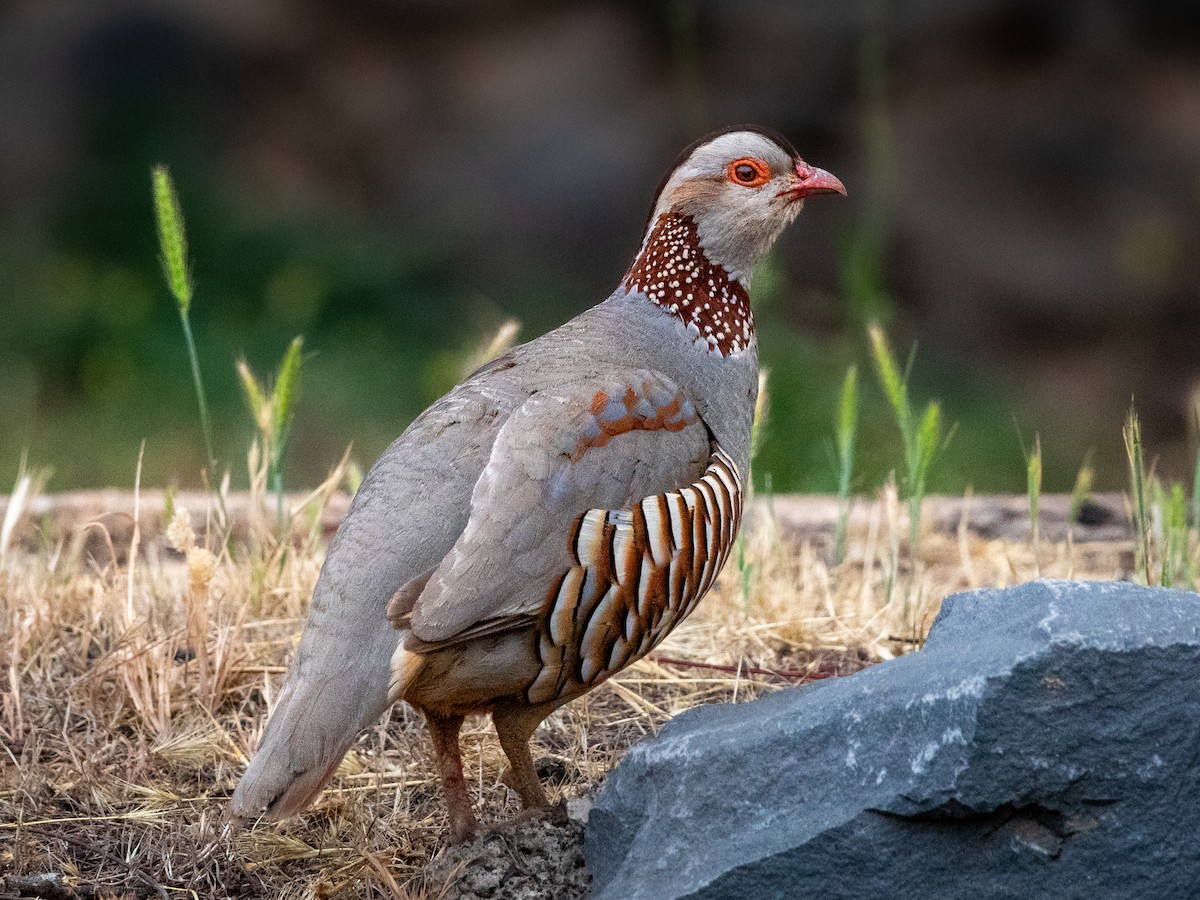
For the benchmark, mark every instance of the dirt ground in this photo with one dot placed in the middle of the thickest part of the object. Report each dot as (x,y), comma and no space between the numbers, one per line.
(533,859)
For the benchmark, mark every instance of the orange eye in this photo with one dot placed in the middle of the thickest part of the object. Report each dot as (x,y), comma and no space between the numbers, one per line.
(748,172)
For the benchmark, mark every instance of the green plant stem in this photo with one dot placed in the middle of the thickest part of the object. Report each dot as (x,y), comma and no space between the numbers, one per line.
(276,476)
(1137,479)
(922,440)
(205,422)
(914,524)
(1196,494)
(1082,491)
(172,243)
(847,428)
(1033,487)
(1192,556)
(1193,573)
(1174,567)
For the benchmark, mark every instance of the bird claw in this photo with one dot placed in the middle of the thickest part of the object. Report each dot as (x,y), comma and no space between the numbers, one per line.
(554,813)
(464,829)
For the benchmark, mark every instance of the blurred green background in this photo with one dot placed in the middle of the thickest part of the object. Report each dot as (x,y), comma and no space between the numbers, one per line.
(395,179)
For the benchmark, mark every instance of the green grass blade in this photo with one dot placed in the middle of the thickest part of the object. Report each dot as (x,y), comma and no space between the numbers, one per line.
(922,440)
(1196,493)
(762,412)
(847,429)
(1196,471)
(1175,568)
(1033,481)
(1033,488)
(847,419)
(1081,492)
(354,478)
(920,454)
(1137,483)
(286,394)
(889,375)
(256,399)
(929,435)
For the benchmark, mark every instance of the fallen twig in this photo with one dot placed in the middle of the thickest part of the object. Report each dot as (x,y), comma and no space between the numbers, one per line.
(44,885)
(798,675)
(136,871)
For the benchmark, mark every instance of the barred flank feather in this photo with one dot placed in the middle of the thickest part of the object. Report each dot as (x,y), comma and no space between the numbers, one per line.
(638,574)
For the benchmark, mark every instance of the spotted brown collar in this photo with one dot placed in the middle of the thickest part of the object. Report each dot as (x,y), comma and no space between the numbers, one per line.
(672,272)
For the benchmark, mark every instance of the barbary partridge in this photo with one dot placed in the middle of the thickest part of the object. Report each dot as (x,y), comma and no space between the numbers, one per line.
(552,518)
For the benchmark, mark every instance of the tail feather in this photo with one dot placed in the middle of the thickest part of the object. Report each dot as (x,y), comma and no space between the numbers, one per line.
(405,517)
(337,686)
(288,772)
(272,789)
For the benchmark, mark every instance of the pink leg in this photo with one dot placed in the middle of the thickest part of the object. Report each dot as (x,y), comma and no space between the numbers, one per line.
(444,731)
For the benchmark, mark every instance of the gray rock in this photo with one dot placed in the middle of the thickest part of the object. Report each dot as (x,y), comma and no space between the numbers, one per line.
(1045,742)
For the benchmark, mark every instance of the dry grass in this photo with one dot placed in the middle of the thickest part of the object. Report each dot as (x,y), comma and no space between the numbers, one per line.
(133,695)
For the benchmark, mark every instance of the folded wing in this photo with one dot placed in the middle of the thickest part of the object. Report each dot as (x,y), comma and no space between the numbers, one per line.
(605,512)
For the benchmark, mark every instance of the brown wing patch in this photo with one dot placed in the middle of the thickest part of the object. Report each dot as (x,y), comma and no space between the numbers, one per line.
(649,406)
(638,573)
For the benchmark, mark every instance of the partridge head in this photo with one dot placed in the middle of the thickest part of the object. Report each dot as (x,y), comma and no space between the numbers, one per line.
(716,214)
(741,188)
(551,519)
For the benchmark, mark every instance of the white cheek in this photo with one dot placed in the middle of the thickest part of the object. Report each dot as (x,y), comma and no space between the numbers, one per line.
(767,204)
(762,214)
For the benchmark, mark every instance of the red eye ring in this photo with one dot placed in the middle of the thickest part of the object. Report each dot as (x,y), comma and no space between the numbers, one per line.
(748,172)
